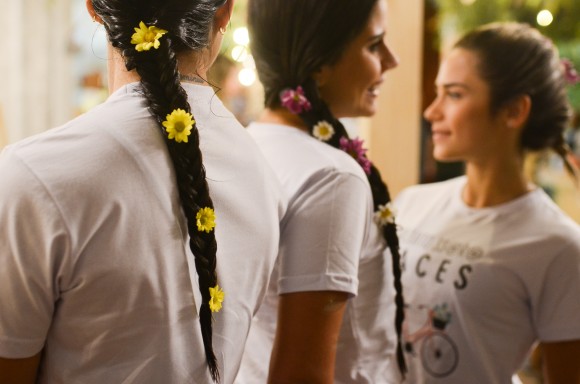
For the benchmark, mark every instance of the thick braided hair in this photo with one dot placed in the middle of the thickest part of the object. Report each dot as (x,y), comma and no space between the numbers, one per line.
(515,59)
(291,41)
(188,25)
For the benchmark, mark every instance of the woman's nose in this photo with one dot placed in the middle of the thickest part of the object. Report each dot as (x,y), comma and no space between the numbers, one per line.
(390,60)
(431,112)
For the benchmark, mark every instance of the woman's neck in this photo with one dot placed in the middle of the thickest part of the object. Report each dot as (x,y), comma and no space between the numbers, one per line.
(493,184)
(118,75)
(191,68)
(283,117)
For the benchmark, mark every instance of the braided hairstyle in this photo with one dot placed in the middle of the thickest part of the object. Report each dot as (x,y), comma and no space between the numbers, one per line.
(516,59)
(291,41)
(188,25)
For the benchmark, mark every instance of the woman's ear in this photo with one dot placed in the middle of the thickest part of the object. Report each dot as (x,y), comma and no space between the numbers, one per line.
(223,15)
(92,13)
(517,112)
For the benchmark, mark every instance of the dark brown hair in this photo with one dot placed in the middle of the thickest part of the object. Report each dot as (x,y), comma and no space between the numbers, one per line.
(516,59)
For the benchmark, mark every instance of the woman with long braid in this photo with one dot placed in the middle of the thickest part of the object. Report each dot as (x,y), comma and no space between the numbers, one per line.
(492,265)
(333,309)
(136,241)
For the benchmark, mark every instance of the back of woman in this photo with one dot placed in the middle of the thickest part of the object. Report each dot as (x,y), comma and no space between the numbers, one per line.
(319,184)
(135,251)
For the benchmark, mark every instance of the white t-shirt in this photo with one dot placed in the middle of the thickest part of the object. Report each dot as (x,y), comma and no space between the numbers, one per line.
(482,285)
(94,254)
(329,242)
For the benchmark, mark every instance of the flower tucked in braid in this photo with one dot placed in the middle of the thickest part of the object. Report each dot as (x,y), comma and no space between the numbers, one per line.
(148,36)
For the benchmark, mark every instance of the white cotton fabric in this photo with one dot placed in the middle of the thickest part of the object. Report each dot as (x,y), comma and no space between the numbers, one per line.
(95,265)
(329,242)
(503,277)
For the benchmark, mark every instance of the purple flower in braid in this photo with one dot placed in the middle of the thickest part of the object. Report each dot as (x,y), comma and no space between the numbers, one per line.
(570,74)
(354,147)
(294,100)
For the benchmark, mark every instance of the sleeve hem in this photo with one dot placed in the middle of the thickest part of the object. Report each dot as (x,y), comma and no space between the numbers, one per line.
(19,349)
(560,335)
(334,282)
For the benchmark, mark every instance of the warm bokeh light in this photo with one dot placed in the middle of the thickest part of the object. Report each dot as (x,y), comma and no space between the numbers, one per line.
(249,62)
(544,18)
(241,36)
(239,53)
(247,77)
(467,2)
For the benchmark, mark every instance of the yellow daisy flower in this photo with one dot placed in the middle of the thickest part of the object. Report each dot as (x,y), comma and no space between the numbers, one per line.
(205,219)
(323,130)
(146,37)
(385,214)
(178,125)
(217,298)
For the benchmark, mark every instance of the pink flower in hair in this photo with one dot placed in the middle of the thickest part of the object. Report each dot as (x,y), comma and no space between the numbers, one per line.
(294,100)
(355,148)
(570,74)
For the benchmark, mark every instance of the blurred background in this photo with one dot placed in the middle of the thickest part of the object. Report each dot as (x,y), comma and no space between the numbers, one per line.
(54,68)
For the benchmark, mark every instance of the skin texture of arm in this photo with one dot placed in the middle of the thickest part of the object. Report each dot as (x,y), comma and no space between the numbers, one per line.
(19,371)
(561,362)
(306,337)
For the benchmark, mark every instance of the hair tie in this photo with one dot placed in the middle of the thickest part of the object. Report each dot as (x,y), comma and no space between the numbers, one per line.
(294,100)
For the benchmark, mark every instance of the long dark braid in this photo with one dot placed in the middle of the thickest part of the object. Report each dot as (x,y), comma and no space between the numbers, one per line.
(321,112)
(163,92)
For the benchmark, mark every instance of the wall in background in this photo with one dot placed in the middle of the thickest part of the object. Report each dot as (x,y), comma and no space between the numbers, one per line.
(35,89)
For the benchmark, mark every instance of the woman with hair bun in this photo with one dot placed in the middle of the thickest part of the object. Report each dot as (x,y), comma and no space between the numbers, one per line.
(492,265)
(137,240)
(335,306)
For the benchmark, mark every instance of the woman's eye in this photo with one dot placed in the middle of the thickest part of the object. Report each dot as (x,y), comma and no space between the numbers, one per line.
(375,46)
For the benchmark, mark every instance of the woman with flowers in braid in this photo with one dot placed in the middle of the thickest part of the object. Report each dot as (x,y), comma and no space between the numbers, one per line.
(334,307)
(136,241)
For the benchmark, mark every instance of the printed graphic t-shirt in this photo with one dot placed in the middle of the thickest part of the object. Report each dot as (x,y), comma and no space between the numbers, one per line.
(482,285)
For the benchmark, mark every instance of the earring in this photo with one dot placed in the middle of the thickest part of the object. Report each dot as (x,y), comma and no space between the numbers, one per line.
(223,30)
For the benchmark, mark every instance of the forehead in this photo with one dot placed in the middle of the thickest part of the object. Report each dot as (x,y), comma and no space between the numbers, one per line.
(460,66)
(377,22)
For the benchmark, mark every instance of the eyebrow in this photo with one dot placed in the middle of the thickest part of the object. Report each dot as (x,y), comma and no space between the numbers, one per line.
(451,85)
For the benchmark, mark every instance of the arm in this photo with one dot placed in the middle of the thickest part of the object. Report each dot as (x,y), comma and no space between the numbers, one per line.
(562,362)
(306,337)
(19,371)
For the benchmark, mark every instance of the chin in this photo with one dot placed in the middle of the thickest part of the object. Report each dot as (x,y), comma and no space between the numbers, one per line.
(367,111)
(445,157)
(356,113)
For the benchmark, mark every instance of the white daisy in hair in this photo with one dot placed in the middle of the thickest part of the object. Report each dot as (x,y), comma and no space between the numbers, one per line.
(323,130)
(385,214)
